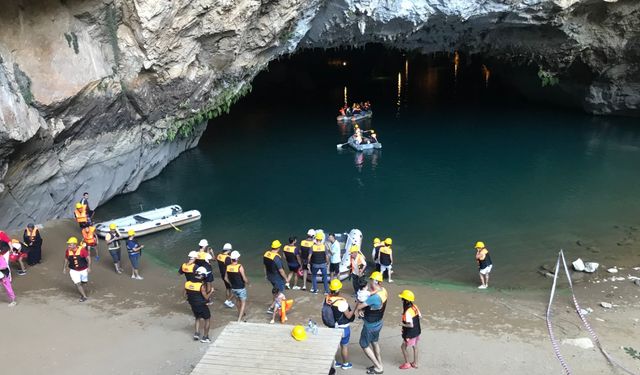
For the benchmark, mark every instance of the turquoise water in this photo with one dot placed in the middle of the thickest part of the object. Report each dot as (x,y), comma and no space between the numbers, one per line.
(461,162)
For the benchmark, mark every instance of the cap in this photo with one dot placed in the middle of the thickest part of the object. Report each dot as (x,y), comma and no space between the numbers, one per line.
(227,246)
(234,255)
(203,243)
(311,232)
(193,254)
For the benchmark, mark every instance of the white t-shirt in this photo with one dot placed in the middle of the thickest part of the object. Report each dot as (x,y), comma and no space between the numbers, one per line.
(342,305)
(363,295)
(335,252)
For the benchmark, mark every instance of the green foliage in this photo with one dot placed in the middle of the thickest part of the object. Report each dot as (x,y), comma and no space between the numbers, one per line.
(632,352)
(222,103)
(111,19)
(72,41)
(24,84)
(547,78)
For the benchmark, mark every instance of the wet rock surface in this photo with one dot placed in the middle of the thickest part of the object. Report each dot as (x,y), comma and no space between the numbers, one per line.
(98,96)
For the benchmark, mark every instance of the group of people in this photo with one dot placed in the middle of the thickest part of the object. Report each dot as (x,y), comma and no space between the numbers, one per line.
(355,109)
(14,251)
(359,136)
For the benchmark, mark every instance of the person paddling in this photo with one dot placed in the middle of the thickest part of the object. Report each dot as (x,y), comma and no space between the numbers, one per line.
(410,328)
(484,264)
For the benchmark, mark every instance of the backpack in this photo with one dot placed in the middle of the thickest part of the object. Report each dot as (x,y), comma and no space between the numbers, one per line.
(328,317)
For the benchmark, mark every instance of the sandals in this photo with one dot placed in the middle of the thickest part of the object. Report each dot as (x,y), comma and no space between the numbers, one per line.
(373,371)
(405,366)
(414,365)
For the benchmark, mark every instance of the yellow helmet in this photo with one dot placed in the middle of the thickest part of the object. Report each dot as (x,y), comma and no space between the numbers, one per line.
(335,285)
(408,295)
(354,249)
(78,205)
(131,232)
(319,236)
(376,240)
(377,276)
(276,244)
(72,241)
(479,245)
(299,333)
(388,241)
(113,226)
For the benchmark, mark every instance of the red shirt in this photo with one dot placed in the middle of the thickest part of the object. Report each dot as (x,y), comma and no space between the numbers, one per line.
(78,259)
(4,237)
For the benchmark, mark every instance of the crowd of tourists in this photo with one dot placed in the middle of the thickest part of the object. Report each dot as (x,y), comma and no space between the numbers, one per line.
(316,259)
(355,109)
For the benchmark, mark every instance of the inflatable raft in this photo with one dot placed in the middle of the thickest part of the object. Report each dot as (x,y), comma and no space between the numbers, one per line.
(363,146)
(346,240)
(360,116)
(152,221)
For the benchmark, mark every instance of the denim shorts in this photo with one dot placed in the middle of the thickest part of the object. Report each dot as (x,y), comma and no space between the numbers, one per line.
(346,335)
(135,260)
(240,293)
(115,255)
(370,333)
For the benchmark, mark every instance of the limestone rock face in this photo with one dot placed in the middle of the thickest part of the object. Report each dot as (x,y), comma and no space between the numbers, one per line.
(99,95)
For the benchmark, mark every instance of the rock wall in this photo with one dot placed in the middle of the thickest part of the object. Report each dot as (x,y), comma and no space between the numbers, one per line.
(98,96)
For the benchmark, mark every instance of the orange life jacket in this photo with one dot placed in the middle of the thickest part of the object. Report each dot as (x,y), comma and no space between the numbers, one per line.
(31,234)
(89,235)
(81,214)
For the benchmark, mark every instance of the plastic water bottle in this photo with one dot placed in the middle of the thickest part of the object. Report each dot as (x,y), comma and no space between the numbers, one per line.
(312,327)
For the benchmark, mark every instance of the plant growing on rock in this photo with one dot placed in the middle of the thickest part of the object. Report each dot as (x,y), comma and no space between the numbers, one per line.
(547,78)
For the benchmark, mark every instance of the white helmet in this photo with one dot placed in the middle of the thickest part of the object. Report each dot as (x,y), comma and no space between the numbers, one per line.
(193,254)
(201,270)
(203,243)
(234,255)
(227,246)
(311,232)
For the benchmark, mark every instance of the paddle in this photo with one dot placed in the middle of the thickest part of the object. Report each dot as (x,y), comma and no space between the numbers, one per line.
(339,146)
(174,227)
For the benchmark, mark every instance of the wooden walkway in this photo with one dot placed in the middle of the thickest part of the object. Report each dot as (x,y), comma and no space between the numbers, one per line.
(269,349)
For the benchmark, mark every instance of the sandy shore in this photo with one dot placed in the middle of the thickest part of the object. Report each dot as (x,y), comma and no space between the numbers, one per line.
(145,327)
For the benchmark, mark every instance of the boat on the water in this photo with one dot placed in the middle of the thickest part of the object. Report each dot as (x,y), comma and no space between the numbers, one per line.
(152,221)
(363,146)
(346,240)
(357,117)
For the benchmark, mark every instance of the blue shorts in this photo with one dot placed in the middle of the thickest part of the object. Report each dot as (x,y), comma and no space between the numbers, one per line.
(240,293)
(135,260)
(346,335)
(277,282)
(370,333)
(293,267)
(115,255)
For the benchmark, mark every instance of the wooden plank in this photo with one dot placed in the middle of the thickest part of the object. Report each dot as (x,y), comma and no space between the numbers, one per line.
(232,354)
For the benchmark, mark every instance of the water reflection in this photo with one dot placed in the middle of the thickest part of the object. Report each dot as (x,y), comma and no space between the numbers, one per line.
(360,159)
(346,97)
(399,95)
(486,73)
(456,64)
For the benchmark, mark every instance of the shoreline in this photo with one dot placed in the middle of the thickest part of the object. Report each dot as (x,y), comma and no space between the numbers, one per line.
(146,325)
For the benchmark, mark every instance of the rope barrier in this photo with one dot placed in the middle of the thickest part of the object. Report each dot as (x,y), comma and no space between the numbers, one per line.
(586,324)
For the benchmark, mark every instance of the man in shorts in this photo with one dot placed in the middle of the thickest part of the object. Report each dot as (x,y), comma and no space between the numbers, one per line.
(237,279)
(197,296)
(343,315)
(484,264)
(78,261)
(334,256)
(372,313)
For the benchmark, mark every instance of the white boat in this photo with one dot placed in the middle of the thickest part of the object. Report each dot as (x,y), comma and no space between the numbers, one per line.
(363,146)
(360,116)
(346,240)
(152,221)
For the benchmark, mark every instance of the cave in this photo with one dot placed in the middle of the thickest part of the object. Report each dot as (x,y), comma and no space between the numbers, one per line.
(136,83)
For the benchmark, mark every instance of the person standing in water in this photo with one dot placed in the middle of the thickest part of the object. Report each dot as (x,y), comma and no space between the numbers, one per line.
(135,252)
(113,245)
(410,329)
(386,258)
(33,240)
(78,262)
(484,264)
(238,280)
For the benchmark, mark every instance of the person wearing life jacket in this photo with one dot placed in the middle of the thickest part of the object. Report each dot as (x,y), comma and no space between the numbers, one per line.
(32,239)
(204,259)
(358,265)
(17,255)
(188,269)
(305,250)
(294,262)
(372,313)
(114,246)
(78,261)
(80,213)
(410,328)
(198,296)
(134,249)
(85,202)
(273,270)
(223,261)
(343,315)
(236,277)
(375,253)
(318,259)
(91,239)
(5,272)
(386,258)
(484,264)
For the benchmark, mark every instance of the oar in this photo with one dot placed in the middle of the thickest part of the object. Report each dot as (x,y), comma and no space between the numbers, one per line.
(341,145)
(174,227)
